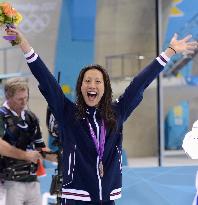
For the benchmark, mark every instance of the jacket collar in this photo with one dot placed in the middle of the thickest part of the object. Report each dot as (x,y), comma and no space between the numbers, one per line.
(90,111)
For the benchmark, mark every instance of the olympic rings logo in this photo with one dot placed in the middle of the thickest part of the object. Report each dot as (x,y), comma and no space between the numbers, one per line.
(34,23)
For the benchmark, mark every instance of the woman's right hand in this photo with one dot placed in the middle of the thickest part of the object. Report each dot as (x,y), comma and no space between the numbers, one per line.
(24,44)
(12,31)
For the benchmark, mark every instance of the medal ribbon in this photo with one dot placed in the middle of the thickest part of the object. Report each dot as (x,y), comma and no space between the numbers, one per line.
(99,145)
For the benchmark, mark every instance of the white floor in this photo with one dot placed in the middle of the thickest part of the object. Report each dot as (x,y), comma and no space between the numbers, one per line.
(168,160)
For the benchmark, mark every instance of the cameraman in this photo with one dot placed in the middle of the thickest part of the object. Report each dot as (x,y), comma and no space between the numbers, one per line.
(20,128)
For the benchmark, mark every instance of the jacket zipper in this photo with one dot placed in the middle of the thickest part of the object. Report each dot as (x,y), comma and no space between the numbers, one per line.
(98,160)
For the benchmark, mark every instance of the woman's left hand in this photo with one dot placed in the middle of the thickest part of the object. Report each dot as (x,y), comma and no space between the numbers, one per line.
(184,46)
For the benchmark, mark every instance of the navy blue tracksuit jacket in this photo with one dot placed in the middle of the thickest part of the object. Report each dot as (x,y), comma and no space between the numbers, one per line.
(81,179)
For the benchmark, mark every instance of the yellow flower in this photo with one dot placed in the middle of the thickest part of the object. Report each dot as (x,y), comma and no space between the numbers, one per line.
(18,18)
(9,15)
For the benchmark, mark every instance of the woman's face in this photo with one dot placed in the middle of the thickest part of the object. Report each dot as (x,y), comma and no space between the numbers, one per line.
(92,87)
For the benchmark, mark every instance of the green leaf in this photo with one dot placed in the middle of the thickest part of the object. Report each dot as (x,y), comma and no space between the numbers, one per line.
(8,20)
(2,19)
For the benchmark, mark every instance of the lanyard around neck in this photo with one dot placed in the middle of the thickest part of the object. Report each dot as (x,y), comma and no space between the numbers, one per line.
(99,145)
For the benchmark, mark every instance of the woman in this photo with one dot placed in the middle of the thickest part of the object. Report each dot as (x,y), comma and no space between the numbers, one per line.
(91,128)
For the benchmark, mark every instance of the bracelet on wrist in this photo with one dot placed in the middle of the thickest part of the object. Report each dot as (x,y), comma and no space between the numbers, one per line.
(173,49)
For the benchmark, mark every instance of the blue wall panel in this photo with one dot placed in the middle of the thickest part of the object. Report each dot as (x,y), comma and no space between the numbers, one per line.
(75,44)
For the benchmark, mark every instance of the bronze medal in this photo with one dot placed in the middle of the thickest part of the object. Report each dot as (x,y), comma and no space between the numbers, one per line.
(101,169)
(99,144)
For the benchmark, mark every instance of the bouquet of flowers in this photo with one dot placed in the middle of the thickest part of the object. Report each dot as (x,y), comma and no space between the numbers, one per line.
(9,17)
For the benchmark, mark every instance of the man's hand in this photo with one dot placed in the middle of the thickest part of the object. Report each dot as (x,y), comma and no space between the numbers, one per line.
(48,154)
(32,156)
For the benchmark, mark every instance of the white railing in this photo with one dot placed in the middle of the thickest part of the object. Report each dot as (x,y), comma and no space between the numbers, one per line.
(123,66)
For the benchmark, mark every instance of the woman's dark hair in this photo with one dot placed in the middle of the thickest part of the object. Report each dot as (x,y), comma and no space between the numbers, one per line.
(104,106)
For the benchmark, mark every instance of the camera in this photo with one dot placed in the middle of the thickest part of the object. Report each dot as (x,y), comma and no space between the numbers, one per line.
(52,125)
